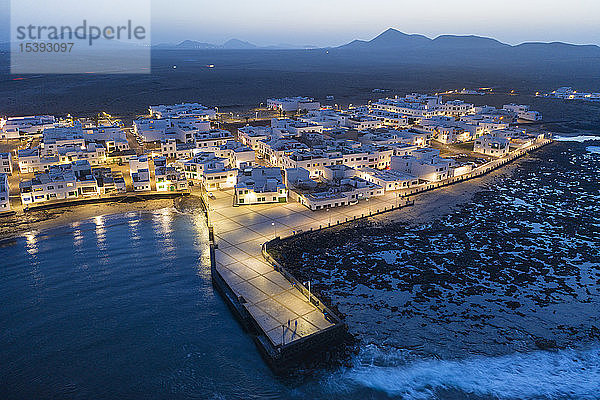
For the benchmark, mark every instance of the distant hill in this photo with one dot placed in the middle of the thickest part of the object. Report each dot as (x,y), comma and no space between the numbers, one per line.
(192,44)
(232,44)
(236,44)
(389,39)
(393,42)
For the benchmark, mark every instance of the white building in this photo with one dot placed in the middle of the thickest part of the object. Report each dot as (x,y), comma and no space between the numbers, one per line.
(6,166)
(112,137)
(414,105)
(292,128)
(168,178)
(389,180)
(325,117)
(425,164)
(390,118)
(294,104)
(94,153)
(212,138)
(456,108)
(414,137)
(61,182)
(15,127)
(251,136)
(260,185)
(139,170)
(30,161)
(492,146)
(109,182)
(182,128)
(182,109)
(171,148)
(236,153)
(54,139)
(10,133)
(274,150)
(211,171)
(342,192)
(4,193)
(523,112)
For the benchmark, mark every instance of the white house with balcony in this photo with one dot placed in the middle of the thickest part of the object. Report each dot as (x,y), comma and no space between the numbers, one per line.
(425,164)
(210,171)
(30,161)
(389,180)
(6,165)
(236,153)
(139,169)
(260,185)
(168,178)
(182,128)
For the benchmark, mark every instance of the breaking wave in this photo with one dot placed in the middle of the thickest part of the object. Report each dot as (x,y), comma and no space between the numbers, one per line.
(563,374)
(593,149)
(581,138)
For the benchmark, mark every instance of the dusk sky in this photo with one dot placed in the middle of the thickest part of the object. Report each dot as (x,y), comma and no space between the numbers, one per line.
(334,22)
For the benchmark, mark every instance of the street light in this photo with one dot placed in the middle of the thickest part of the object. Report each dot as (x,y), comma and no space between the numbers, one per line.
(274,230)
(305,284)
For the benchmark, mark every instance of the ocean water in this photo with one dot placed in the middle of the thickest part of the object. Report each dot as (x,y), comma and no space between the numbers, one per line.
(121,307)
(497,301)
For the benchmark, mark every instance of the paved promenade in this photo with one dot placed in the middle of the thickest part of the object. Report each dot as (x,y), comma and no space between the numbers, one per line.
(270,298)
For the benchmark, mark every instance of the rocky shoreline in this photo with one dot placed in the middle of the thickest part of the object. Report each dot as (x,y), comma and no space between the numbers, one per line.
(492,265)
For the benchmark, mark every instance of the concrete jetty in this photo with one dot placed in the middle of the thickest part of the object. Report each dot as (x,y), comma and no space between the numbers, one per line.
(287,321)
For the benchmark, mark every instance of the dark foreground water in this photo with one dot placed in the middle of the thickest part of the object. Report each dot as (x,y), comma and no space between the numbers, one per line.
(123,307)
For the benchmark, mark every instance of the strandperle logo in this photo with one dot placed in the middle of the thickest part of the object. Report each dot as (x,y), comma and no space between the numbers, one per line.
(83,32)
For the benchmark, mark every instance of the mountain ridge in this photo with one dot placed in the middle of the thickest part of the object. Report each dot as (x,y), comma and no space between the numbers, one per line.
(393,38)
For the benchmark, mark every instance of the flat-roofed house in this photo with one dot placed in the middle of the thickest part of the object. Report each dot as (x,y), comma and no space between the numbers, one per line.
(260,185)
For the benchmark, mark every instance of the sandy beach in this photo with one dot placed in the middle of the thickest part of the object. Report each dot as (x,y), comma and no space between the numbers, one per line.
(15,225)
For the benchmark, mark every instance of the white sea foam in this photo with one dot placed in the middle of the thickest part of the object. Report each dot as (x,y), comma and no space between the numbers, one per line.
(580,138)
(593,149)
(571,374)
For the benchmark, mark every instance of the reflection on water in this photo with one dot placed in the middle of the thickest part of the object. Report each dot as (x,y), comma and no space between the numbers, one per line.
(163,226)
(77,235)
(133,223)
(32,250)
(31,243)
(201,233)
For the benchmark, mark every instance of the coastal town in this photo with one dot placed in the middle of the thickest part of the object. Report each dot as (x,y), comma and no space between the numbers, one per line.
(311,168)
(323,157)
